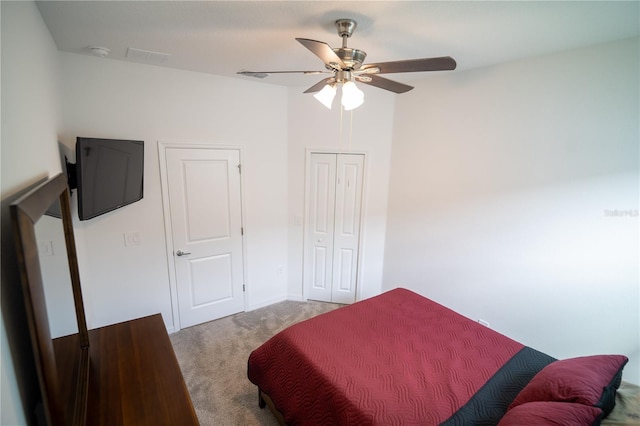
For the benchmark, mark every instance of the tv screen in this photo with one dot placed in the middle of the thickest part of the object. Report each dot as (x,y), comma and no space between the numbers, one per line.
(109,174)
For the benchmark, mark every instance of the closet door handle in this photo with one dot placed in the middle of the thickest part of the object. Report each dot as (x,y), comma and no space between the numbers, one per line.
(182,253)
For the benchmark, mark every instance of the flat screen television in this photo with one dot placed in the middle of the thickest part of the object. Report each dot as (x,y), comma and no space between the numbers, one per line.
(109,174)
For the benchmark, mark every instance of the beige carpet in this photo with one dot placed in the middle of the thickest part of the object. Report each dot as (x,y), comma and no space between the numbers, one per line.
(213,358)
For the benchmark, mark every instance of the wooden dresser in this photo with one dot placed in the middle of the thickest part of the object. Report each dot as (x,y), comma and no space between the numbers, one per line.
(134,377)
(124,374)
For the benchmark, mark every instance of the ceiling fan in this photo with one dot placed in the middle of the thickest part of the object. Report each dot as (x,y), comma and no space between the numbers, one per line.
(346,65)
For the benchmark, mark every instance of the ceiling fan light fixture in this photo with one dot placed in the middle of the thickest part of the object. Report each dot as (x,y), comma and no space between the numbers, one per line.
(326,95)
(352,97)
(347,64)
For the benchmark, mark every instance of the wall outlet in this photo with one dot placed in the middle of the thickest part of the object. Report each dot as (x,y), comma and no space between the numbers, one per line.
(483,322)
(45,248)
(131,239)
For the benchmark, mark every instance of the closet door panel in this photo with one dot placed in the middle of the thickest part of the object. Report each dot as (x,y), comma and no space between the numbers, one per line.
(349,174)
(320,225)
(332,234)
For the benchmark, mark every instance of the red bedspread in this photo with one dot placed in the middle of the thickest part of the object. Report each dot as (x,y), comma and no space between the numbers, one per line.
(397,358)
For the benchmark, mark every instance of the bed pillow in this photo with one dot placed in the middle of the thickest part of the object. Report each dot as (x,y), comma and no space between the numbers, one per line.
(548,413)
(589,380)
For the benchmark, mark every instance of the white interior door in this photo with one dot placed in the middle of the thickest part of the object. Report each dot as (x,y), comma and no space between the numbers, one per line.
(318,259)
(346,234)
(206,222)
(332,237)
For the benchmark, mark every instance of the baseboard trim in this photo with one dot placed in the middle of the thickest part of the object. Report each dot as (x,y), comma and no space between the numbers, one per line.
(265,303)
(297,298)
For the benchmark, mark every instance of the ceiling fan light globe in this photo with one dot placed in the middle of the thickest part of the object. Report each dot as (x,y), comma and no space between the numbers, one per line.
(352,97)
(352,104)
(326,95)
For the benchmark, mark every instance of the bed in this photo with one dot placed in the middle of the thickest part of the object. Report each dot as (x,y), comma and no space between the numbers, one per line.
(400,358)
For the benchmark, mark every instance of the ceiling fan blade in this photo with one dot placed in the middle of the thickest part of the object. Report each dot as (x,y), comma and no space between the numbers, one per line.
(323,51)
(319,85)
(384,83)
(263,74)
(444,63)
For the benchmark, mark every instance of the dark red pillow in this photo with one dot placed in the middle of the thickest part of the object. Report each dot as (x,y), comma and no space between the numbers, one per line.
(548,413)
(590,380)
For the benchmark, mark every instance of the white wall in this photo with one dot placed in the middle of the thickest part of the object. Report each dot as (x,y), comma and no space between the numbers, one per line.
(114,99)
(313,126)
(503,183)
(29,153)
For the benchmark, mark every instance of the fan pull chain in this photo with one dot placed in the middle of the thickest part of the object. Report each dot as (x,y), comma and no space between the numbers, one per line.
(340,131)
(351,133)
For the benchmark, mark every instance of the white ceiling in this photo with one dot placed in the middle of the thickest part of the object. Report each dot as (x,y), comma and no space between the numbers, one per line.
(224,37)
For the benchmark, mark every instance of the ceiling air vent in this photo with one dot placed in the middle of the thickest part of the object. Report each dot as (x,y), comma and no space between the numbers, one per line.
(147,56)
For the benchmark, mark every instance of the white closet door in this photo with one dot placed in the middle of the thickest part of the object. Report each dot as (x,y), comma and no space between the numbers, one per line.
(346,233)
(333,227)
(318,267)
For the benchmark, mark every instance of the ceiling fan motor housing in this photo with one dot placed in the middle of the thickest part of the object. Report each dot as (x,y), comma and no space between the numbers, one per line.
(352,58)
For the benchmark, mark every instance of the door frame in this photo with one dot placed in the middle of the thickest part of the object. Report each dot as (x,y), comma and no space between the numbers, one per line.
(307,190)
(163,145)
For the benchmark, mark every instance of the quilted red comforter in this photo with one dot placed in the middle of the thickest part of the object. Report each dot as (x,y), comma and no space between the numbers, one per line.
(397,358)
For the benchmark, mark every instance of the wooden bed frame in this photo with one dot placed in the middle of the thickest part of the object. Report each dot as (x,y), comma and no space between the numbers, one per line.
(264,399)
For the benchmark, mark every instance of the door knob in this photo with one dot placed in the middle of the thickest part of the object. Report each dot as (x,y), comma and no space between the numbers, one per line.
(181,253)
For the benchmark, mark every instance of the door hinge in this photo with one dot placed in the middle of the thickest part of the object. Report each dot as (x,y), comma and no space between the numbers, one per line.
(240,168)
(241,231)
(243,288)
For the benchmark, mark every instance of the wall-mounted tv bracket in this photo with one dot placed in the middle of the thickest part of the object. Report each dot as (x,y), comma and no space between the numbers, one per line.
(71,174)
